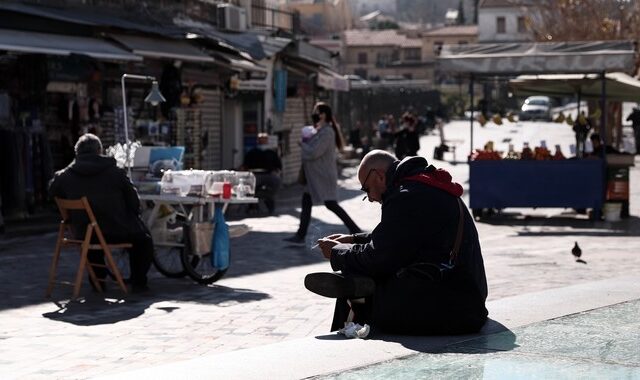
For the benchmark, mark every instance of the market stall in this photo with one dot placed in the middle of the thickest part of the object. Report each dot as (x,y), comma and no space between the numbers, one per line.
(541,180)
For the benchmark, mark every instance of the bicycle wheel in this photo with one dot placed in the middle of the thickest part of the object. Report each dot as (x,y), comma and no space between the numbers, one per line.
(200,268)
(168,261)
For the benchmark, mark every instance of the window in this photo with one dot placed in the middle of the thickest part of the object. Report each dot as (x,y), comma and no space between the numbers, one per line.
(462,42)
(382,59)
(362,58)
(501,25)
(522,25)
(437,47)
(412,54)
(407,76)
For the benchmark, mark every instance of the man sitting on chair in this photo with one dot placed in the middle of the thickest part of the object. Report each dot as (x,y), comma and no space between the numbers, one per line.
(114,202)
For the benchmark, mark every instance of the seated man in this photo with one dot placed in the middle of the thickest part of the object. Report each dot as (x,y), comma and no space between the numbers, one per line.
(391,278)
(114,202)
(266,166)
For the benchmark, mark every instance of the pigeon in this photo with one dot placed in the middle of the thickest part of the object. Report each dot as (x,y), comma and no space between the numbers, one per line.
(577,252)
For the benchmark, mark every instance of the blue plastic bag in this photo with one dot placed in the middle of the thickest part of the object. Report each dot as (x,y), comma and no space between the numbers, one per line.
(220,241)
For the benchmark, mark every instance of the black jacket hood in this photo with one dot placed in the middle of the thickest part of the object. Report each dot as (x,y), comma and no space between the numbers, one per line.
(91,164)
(407,167)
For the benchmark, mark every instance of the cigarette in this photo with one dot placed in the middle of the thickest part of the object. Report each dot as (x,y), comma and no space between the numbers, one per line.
(314,246)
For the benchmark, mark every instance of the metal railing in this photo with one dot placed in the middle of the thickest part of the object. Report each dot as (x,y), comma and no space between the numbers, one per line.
(273,18)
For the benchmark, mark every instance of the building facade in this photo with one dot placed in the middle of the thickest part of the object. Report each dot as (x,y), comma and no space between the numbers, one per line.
(382,54)
(503,21)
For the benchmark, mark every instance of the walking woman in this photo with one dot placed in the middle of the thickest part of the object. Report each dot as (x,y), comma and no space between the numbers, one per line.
(320,171)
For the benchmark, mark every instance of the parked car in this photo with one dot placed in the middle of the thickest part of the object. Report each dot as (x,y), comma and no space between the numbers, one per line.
(536,108)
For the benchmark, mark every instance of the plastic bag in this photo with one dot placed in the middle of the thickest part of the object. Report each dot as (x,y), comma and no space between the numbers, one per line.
(220,241)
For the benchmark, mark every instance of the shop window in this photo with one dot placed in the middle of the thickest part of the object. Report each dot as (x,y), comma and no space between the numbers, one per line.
(362,58)
(501,25)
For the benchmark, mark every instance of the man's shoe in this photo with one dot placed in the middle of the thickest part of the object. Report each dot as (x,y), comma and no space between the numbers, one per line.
(295,239)
(335,285)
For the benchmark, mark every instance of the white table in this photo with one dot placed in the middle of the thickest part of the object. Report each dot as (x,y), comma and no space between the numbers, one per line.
(182,201)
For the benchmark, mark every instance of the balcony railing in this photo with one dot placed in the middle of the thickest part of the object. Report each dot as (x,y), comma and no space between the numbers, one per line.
(273,18)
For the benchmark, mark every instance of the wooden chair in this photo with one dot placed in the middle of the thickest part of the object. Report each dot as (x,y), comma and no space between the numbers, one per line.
(82,204)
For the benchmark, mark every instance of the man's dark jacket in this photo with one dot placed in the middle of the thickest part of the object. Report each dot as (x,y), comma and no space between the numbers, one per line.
(113,198)
(419,225)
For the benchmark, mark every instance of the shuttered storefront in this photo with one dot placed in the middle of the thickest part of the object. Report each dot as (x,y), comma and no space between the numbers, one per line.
(294,119)
(211,114)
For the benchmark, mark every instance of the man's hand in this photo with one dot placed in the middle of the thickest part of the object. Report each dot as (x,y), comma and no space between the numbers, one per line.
(325,245)
(348,239)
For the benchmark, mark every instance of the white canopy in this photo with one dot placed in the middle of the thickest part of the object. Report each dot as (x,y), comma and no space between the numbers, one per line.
(619,86)
(538,57)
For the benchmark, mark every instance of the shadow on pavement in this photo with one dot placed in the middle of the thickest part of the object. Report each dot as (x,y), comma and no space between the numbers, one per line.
(493,336)
(567,224)
(112,307)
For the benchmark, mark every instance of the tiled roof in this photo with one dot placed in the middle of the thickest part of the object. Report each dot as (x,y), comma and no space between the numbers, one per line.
(365,37)
(457,30)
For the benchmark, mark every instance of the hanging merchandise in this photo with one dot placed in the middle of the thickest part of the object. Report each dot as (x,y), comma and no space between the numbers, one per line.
(220,243)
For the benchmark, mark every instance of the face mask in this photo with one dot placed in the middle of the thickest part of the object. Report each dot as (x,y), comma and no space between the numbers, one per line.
(315,118)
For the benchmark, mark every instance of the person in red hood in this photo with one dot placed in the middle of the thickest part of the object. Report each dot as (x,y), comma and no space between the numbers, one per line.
(420,272)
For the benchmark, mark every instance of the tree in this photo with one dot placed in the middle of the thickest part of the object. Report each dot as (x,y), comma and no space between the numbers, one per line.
(585,20)
(475,11)
(385,24)
(461,20)
(588,20)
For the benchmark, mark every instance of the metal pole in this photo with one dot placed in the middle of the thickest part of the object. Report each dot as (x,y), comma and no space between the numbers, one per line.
(126,125)
(125,116)
(603,112)
(471,117)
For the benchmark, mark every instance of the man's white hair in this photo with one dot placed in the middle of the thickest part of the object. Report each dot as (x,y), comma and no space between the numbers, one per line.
(377,159)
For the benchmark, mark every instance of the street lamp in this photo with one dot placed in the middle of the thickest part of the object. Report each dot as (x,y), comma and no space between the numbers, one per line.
(154,98)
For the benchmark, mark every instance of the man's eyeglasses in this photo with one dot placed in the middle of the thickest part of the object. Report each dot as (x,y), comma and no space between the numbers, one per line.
(364,184)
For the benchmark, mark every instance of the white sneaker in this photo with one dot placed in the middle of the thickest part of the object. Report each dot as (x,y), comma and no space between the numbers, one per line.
(354,330)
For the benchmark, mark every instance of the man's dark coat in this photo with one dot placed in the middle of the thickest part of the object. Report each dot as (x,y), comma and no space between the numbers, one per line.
(113,198)
(419,225)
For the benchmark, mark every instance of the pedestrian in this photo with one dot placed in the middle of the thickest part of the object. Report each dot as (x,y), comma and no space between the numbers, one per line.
(114,201)
(263,161)
(407,141)
(581,127)
(319,164)
(634,117)
(420,271)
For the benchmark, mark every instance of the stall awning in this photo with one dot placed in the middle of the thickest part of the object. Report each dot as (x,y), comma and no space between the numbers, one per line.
(538,58)
(162,48)
(57,44)
(619,86)
(331,80)
(326,77)
(238,63)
